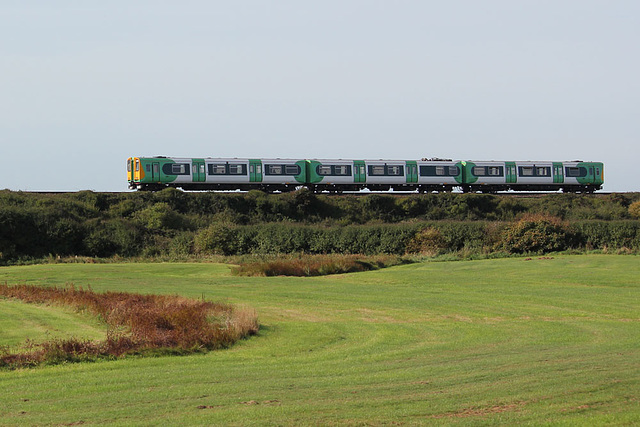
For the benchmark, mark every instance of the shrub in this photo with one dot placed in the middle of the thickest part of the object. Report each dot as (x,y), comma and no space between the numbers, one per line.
(536,233)
(182,244)
(634,209)
(115,236)
(428,241)
(218,239)
(160,217)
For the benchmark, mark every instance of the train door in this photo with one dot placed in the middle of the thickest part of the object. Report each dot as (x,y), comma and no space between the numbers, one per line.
(511,174)
(558,173)
(412,172)
(598,178)
(198,170)
(590,173)
(130,169)
(155,172)
(138,174)
(255,170)
(359,171)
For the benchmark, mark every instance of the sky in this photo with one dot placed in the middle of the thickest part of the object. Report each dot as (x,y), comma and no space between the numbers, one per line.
(86,84)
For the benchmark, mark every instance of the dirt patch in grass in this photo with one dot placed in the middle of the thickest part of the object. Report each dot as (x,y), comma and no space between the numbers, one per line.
(137,324)
(481,411)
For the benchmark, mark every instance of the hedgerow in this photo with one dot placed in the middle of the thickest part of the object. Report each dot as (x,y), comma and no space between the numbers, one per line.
(175,223)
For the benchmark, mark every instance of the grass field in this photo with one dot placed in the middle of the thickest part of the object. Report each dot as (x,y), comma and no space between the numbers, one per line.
(19,321)
(541,341)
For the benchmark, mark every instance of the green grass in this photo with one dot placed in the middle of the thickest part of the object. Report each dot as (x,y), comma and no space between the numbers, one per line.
(545,341)
(39,323)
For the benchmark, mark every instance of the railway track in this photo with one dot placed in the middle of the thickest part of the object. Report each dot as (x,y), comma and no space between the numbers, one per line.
(361,193)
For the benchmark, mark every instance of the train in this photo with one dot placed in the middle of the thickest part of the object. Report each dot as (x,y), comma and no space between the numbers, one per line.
(350,175)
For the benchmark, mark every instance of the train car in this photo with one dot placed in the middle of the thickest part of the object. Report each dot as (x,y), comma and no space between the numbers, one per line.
(156,173)
(338,175)
(493,176)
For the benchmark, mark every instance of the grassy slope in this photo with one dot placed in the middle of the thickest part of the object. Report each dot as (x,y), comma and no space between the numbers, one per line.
(39,323)
(503,341)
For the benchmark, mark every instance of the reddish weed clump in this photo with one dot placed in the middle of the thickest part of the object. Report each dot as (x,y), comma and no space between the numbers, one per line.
(316,265)
(136,324)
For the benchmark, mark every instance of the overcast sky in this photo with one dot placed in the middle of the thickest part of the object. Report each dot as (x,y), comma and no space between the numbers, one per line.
(85,84)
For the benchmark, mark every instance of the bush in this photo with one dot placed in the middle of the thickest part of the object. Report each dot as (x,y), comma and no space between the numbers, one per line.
(111,237)
(634,209)
(182,244)
(535,233)
(160,216)
(217,239)
(428,241)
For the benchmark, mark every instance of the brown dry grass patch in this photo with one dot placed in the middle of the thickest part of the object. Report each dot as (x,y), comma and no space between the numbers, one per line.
(136,324)
(316,265)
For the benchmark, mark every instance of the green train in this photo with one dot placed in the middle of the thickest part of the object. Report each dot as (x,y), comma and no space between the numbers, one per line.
(340,175)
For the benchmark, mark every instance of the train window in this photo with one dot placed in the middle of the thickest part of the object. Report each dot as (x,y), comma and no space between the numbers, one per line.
(495,171)
(427,171)
(576,172)
(479,171)
(218,169)
(597,171)
(376,170)
(177,169)
(274,169)
(238,169)
(324,170)
(128,166)
(342,170)
(137,165)
(438,170)
(292,170)
(542,171)
(395,170)
(526,171)
(148,168)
